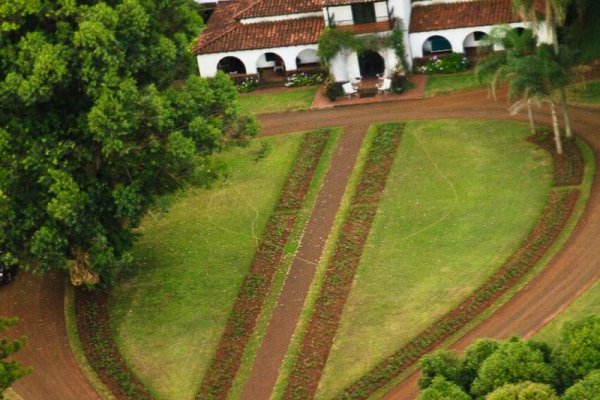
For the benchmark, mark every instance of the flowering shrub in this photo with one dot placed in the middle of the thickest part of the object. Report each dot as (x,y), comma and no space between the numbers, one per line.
(247,85)
(304,79)
(447,64)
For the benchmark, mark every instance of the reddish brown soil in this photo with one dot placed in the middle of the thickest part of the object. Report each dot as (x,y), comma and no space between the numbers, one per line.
(38,301)
(287,311)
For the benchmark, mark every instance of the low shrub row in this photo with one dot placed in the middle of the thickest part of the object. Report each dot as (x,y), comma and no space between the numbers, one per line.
(568,167)
(304,79)
(100,349)
(554,217)
(444,64)
(226,362)
(340,272)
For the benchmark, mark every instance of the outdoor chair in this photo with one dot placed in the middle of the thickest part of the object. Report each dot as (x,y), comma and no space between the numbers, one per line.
(356,82)
(349,90)
(385,86)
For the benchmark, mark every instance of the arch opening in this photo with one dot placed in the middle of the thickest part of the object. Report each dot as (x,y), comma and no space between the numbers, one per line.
(370,64)
(436,44)
(231,65)
(307,59)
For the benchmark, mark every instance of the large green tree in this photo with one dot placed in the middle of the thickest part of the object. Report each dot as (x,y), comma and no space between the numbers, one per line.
(10,371)
(101,111)
(514,369)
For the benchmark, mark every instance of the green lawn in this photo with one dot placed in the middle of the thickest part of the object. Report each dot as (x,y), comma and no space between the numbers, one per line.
(586,92)
(586,304)
(459,200)
(285,100)
(446,83)
(169,317)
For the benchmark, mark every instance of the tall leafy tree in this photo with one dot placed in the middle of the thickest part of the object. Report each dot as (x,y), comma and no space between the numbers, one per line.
(10,371)
(100,112)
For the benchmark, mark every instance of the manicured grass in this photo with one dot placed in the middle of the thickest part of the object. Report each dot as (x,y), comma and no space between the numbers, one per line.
(586,92)
(279,279)
(456,206)
(588,303)
(169,316)
(446,83)
(285,100)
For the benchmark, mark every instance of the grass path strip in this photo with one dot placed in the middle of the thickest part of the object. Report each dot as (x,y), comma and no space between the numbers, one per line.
(559,208)
(248,305)
(340,272)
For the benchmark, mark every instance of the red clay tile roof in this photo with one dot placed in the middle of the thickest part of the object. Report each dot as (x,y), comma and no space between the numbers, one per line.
(461,14)
(328,3)
(267,8)
(238,36)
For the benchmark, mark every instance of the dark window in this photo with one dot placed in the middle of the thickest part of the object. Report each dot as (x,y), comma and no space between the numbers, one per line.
(270,57)
(363,13)
(479,36)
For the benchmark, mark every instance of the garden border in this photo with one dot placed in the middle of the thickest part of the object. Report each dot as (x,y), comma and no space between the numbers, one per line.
(227,360)
(91,306)
(339,275)
(561,203)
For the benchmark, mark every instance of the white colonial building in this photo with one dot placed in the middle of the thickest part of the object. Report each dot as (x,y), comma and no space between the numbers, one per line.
(247,37)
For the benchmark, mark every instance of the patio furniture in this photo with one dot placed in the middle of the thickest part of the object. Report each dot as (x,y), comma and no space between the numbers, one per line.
(349,90)
(356,81)
(385,86)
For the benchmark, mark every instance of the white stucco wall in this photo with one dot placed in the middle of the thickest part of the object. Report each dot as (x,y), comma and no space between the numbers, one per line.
(456,37)
(342,15)
(252,59)
(344,66)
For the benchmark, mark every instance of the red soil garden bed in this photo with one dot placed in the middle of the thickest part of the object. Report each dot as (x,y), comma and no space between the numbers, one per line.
(340,272)
(92,310)
(568,170)
(248,305)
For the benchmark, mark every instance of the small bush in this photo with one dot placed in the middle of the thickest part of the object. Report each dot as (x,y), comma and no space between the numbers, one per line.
(248,84)
(304,79)
(447,64)
(333,89)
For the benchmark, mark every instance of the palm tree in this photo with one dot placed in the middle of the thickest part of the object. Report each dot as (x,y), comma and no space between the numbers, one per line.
(539,79)
(555,16)
(498,66)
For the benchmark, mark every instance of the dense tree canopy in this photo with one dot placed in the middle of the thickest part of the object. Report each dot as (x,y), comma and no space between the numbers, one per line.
(101,110)
(519,370)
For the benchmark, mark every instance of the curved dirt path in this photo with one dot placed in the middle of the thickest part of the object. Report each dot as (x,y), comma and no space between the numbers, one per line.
(38,301)
(573,270)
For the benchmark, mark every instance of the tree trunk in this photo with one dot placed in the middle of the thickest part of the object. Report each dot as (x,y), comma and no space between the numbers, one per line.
(563,105)
(80,268)
(557,141)
(531,121)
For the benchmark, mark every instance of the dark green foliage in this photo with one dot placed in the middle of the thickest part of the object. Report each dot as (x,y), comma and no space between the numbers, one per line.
(10,371)
(444,363)
(522,370)
(515,361)
(578,350)
(333,89)
(98,117)
(441,389)
(586,389)
(523,391)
